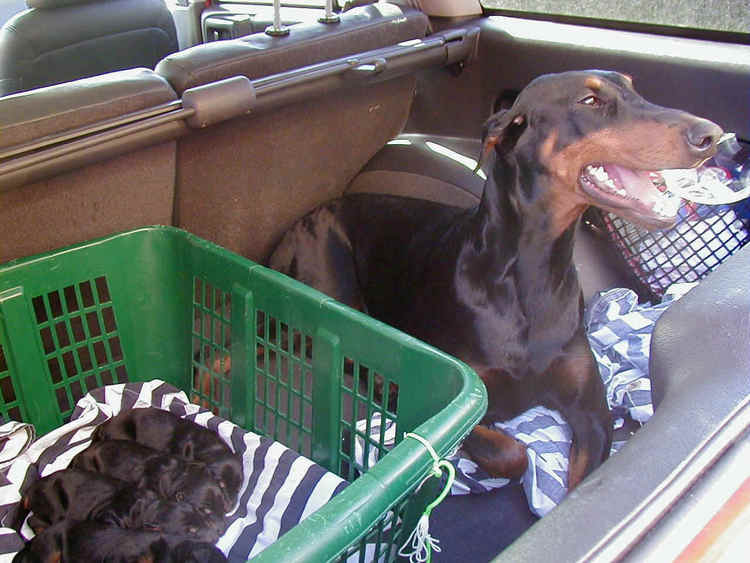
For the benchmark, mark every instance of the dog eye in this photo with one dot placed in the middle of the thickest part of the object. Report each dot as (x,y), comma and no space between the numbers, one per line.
(179,496)
(592,101)
(193,530)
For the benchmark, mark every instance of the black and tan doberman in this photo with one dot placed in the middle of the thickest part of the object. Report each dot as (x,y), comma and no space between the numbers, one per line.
(496,285)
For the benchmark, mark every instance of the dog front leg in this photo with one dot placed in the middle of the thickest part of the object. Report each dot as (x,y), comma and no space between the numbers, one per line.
(592,439)
(573,387)
(498,453)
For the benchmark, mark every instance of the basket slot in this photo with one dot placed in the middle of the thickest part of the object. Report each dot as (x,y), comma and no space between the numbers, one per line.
(382,540)
(369,423)
(10,406)
(24,376)
(78,332)
(283,400)
(212,341)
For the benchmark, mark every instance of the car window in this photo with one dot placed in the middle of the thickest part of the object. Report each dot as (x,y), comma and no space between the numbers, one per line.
(721,15)
(9,8)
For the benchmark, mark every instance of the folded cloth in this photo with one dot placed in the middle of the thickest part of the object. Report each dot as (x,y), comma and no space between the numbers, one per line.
(15,438)
(280,488)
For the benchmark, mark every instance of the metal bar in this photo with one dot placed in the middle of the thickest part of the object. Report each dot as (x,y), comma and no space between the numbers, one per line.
(329,68)
(89,129)
(267,3)
(92,140)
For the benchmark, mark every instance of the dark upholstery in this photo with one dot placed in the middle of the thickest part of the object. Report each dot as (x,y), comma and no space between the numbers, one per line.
(62,40)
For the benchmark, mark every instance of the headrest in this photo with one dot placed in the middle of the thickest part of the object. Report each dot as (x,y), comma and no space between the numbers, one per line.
(52,4)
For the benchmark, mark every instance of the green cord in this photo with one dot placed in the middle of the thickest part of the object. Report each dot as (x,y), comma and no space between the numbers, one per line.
(420,540)
(449,483)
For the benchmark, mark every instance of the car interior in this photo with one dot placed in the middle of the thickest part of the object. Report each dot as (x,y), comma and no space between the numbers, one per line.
(118,114)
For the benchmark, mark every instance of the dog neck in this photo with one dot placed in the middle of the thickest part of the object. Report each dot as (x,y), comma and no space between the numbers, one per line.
(518,225)
(513,249)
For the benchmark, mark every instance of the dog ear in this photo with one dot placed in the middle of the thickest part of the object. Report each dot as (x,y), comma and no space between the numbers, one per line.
(501,132)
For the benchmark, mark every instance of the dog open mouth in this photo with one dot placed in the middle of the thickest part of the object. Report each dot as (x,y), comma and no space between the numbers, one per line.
(637,195)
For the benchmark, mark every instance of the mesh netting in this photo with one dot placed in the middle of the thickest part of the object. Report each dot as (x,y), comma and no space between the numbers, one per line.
(703,238)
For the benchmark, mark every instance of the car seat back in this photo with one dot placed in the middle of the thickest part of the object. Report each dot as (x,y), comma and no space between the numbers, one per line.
(62,40)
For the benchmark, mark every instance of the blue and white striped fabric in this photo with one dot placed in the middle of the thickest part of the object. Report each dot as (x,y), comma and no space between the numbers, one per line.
(619,331)
(280,487)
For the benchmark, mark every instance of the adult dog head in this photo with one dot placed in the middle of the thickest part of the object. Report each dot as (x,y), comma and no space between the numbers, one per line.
(595,141)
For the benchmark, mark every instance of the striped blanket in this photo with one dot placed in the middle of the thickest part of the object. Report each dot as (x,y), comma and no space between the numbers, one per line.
(619,331)
(280,487)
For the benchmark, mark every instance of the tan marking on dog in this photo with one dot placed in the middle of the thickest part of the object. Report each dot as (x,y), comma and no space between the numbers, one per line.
(563,210)
(489,143)
(547,147)
(496,452)
(577,467)
(593,83)
(639,146)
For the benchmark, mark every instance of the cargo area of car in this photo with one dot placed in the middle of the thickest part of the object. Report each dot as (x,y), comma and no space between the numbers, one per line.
(236,133)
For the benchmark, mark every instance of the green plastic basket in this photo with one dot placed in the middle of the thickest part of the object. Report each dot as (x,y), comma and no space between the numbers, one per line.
(267,352)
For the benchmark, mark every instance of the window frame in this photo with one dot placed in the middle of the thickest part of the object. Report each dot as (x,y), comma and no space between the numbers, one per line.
(623,25)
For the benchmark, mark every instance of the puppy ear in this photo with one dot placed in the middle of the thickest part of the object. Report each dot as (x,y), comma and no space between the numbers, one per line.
(188,450)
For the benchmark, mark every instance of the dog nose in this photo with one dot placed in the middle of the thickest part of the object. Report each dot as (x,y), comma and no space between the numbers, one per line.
(702,136)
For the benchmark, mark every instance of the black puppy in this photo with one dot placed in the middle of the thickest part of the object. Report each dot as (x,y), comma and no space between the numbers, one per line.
(143,509)
(70,540)
(77,494)
(170,476)
(164,431)
(72,493)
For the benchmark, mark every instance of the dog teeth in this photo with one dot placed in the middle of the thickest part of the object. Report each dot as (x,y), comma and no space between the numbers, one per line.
(604,180)
(599,173)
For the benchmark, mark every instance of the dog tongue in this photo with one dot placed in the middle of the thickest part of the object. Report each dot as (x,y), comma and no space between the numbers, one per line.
(639,185)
